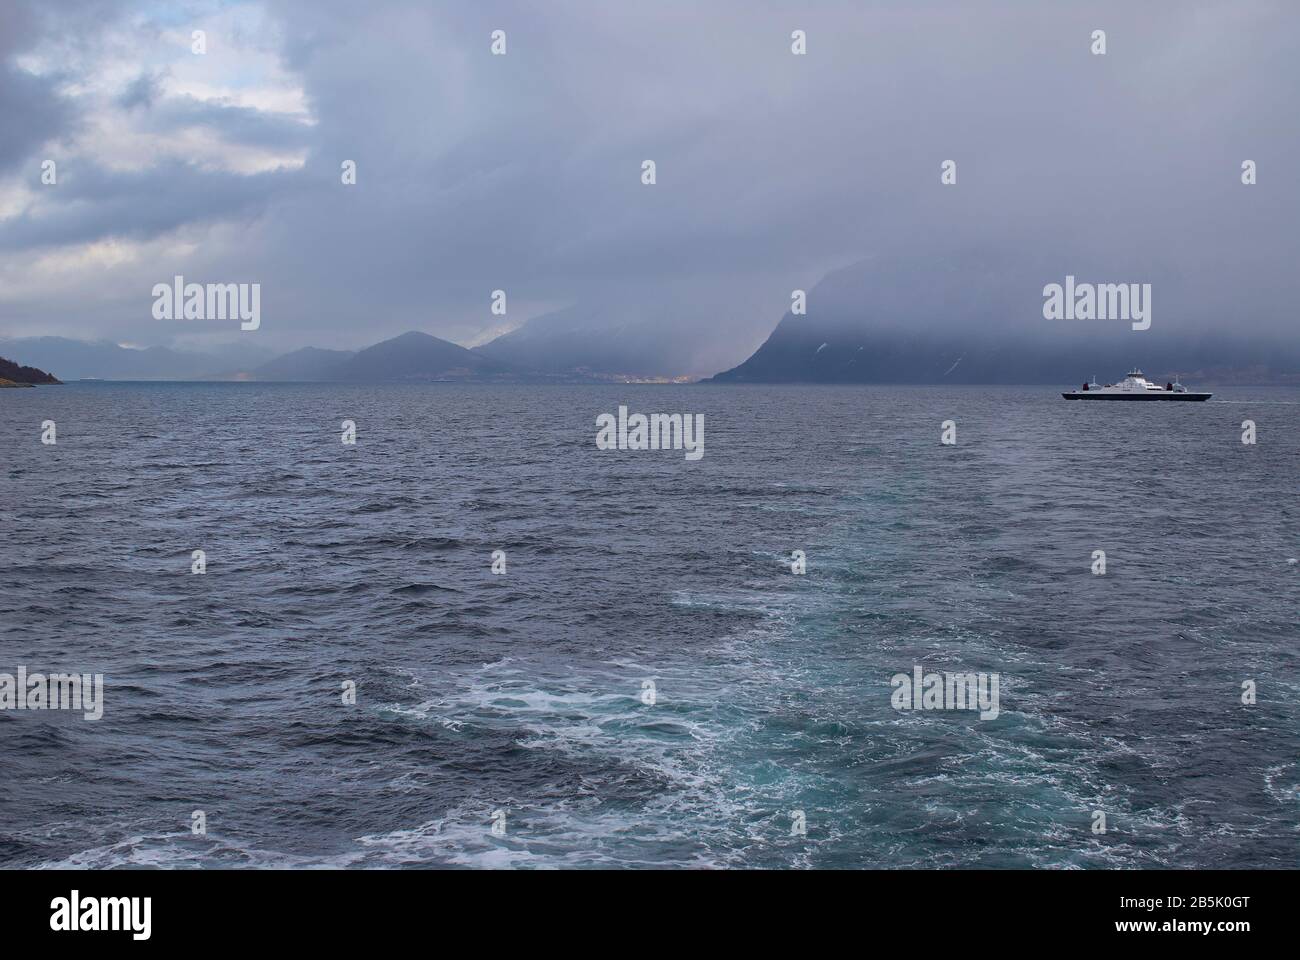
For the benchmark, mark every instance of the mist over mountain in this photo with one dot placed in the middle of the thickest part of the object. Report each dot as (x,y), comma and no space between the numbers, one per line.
(807,353)
(643,334)
(583,340)
(969,316)
(942,312)
(309,363)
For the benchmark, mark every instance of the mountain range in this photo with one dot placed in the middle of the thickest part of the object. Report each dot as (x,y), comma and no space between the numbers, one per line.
(105,360)
(900,320)
(886,319)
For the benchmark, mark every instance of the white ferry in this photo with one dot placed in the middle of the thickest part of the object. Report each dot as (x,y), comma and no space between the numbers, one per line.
(1135,386)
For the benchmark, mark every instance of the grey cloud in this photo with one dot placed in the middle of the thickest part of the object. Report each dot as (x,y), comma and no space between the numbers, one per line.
(239,126)
(142,92)
(95,204)
(522,172)
(31,111)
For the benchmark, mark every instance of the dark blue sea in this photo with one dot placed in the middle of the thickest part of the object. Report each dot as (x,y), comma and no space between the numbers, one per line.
(515,701)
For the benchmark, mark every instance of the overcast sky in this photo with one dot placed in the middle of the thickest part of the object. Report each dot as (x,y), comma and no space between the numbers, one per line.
(523,172)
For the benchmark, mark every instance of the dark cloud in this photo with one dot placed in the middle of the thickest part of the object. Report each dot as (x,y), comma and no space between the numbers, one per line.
(31,112)
(97,204)
(522,172)
(142,92)
(243,127)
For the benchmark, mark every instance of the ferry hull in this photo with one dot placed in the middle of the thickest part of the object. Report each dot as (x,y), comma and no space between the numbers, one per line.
(1135,395)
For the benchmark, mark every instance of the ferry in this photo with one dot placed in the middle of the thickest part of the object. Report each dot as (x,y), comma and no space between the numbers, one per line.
(1135,386)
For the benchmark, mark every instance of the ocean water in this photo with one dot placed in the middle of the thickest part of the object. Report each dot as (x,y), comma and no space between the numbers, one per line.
(482,697)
